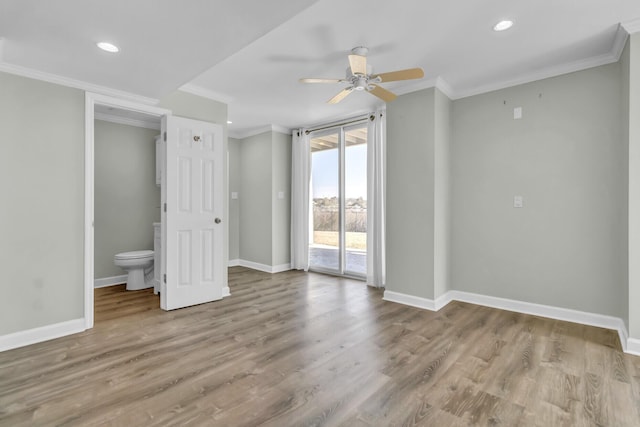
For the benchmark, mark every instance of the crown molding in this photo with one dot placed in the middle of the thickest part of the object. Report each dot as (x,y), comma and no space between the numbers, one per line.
(77,84)
(612,56)
(569,67)
(281,129)
(418,85)
(126,121)
(205,93)
(239,134)
(619,42)
(632,26)
(444,87)
(438,82)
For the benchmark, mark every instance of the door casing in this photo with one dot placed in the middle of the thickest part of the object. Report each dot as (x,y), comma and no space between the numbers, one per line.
(91,100)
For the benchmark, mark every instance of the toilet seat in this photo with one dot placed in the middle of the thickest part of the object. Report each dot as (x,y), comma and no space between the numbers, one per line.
(134,255)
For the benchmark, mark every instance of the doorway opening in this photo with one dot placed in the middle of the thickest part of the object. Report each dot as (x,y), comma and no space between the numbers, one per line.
(127,213)
(338,223)
(95,105)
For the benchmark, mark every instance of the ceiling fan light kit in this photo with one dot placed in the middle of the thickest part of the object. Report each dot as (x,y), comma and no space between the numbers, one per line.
(360,77)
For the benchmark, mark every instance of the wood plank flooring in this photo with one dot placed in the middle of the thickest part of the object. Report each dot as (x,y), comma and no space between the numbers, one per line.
(297,349)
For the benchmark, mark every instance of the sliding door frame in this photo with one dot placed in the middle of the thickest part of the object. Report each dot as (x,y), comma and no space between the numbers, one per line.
(340,130)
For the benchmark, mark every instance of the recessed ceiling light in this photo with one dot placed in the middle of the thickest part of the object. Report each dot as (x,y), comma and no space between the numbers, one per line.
(503,25)
(108,47)
(229,122)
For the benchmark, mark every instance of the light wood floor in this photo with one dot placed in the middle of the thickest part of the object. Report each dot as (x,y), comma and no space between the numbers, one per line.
(307,349)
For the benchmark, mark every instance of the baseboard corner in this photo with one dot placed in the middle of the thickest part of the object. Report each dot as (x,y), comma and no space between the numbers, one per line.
(281,268)
(410,300)
(633,346)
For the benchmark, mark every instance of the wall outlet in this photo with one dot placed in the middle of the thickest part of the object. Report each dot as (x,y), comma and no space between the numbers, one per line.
(280,194)
(234,194)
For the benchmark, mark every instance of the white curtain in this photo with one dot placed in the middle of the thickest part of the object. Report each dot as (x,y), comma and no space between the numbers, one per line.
(300,181)
(376,147)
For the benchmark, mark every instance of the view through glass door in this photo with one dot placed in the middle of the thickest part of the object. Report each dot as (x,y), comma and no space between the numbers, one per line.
(338,227)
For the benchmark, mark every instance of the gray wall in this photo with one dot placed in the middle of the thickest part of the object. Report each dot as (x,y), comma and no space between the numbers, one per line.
(196,107)
(42,179)
(127,200)
(410,194)
(255,199)
(263,169)
(633,123)
(624,98)
(442,194)
(42,215)
(234,205)
(566,247)
(281,182)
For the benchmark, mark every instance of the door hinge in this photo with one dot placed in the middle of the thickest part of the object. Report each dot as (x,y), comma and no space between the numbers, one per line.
(165,207)
(164,136)
(164,278)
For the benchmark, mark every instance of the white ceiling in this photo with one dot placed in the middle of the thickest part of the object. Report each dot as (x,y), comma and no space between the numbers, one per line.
(251,53)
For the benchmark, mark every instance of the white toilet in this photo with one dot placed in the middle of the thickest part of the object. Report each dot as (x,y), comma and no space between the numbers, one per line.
(139,266)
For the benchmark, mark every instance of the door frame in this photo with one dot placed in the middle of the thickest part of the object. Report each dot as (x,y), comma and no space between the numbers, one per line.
(340,129)
(91,100)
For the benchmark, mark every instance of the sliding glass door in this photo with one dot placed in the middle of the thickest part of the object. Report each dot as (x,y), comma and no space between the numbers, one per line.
(338,227)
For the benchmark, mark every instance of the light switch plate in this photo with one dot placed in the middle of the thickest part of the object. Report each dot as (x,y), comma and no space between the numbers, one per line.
(234,194)
(517,113)
(280,194)
(518,201)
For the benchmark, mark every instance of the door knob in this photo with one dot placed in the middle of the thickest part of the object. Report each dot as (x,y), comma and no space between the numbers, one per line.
(218,220)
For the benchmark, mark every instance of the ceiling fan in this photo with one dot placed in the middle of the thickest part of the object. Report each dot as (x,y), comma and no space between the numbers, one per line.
(360,77)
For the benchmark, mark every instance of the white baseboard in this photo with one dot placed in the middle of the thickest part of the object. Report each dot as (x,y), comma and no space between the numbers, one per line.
(624,336)
(43,333)
(109,281)
(280,268)
(629,345)
(633,346)
(413,301)
(233,263)
(255,266)
(226,292)
(559,313)
(264,267)
(443,300)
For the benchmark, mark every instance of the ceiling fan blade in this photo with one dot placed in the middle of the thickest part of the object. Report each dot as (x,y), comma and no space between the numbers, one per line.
(409,74)
(382,93)
(339,97)
(321,80)
(358,64)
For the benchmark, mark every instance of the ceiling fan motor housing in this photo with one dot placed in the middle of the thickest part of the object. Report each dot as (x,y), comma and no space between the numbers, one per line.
(360,81)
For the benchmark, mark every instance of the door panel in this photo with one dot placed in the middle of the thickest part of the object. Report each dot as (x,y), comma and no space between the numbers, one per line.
(324,244)
(193,193)
(184,258)
(355,209)
(184,185)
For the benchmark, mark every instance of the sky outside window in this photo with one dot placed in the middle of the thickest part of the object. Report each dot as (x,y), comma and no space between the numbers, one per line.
(325,174)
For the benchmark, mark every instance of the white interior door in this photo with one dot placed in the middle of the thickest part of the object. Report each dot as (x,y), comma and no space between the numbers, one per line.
(192,196)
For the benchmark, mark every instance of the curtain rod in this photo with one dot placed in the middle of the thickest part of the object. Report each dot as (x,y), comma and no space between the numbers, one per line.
(371,117)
